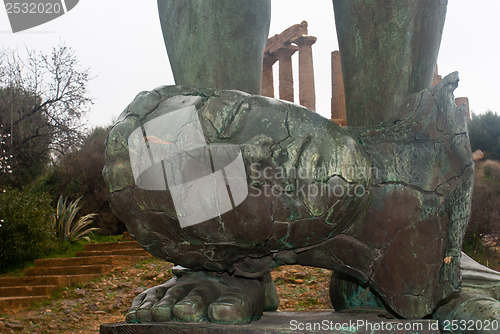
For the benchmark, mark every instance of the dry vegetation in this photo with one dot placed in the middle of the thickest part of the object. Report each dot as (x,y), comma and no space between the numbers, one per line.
(481,240)
(82,308)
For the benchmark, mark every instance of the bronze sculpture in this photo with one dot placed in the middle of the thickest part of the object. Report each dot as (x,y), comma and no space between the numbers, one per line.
(366,201)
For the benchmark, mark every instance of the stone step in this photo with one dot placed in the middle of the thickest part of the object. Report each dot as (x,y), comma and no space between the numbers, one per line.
(34,280)
(49,274)
(106,246)
(28,290)
(12,304)
(141,253)
(59,280)
(70,270)
(82,261)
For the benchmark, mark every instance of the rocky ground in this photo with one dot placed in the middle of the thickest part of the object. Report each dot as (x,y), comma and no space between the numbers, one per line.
(82,308)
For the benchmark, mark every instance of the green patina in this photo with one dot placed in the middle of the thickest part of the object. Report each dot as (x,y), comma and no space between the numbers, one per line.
(389,245)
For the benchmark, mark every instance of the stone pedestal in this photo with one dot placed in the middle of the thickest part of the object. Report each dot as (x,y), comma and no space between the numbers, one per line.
(289,322)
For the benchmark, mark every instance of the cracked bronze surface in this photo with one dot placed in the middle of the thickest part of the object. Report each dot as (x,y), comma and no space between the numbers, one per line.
(394,237)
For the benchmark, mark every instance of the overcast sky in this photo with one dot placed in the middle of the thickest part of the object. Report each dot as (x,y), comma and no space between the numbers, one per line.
(121,43)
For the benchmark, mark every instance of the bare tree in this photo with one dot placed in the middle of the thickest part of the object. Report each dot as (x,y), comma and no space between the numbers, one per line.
(43,101)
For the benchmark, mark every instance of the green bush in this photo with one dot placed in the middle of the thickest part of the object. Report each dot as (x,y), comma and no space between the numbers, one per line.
(485,211)
(484,133)
(79,174)
(25,232)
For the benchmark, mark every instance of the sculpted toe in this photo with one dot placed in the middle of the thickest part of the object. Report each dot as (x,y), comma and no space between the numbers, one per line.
(162,313)
(190,310)
(144,314)
(131,316)
(231,309)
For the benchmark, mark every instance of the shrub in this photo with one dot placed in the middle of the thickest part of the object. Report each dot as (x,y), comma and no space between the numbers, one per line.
(484,133)
(485,211)
(65,227)
(80,175)
(25,232)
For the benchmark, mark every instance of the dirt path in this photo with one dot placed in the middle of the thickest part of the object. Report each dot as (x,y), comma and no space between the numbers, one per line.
(81,309)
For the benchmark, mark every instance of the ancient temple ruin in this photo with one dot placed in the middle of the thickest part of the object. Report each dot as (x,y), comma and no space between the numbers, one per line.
(281,47)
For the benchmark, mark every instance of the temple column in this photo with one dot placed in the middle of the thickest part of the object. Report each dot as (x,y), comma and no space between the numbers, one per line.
(307,95)
(436,77)
(338,94)
(459,101)
(284,56)
(267,76)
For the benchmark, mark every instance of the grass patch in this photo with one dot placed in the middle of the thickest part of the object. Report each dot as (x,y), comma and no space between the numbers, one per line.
(308,303)
(41,304)
(487,256)
(143,263)
(99,238)
(67,249)
(19,271)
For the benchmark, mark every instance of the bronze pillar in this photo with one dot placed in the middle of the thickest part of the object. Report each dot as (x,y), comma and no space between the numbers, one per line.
(387,54)
(204,50)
